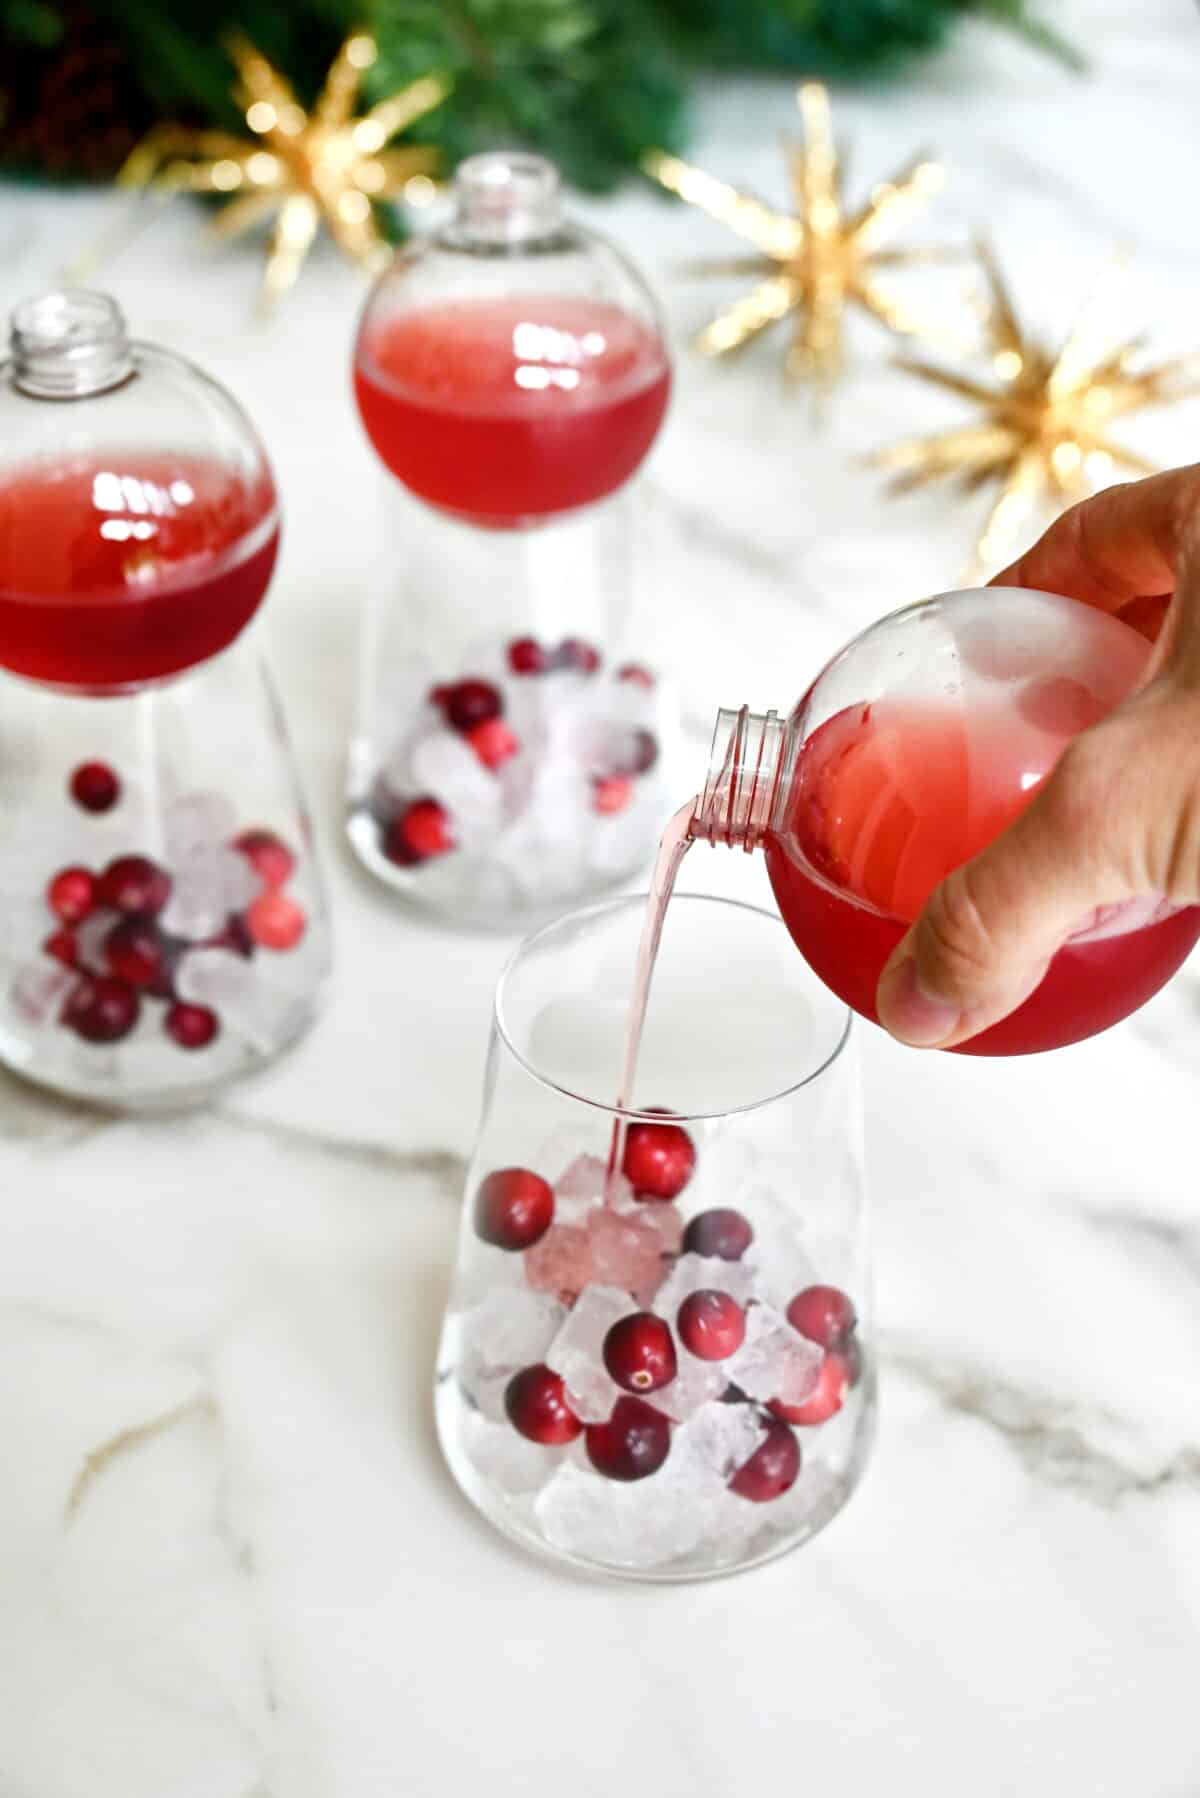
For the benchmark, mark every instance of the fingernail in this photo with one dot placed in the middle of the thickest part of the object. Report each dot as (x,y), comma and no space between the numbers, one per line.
(907,1012)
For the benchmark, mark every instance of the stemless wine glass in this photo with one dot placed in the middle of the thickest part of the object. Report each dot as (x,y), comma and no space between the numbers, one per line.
(657,1357)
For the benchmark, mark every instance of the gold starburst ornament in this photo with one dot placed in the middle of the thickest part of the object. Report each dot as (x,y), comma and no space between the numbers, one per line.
(1043,439)
(301,168)
(814,263)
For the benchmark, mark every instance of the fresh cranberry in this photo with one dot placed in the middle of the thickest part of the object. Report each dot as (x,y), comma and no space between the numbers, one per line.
(268,855)
(573,652)
(772,1469)
(234,936)
(824,1314)
(101,1010)
(71,895)
(659,1160)
(643,752)
(135,885)
(639,1353)
(418,833)
(526,656)
(536,1402)
(134,951)
(63,946)
(191,1026)
(440,695)
(611,794)
(275,921)
(472,702)
(493,742)
(514,1208)
(711,1325)
(636,675)
(826,1397)
(633,1444)
(95,787)
(852,1355)
(721,1231)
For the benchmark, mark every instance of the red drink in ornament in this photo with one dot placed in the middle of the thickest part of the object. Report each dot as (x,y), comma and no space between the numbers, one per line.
(886,799)
(506,410)
(118,568)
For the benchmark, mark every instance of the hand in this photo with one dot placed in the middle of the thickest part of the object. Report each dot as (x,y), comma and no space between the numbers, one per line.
(1119,816)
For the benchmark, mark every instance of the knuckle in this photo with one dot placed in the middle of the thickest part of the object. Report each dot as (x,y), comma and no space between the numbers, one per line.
(955,950)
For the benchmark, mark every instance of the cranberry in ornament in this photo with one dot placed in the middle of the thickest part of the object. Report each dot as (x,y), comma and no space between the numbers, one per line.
(632,1445)
(574,653)
(135,885)
(493,742)
(636,675)
(639,1353)
(63,946)
(95,787)
(268,855)
(472,702)
(191,1026)
(824,1314)
(420,831)
(514,1207)
(535,1402)
(711,1325)
(71,895)
(275,921)
(135,951)
(101,1010)
(659,1160)
(772,1469)
(611,795)
(526,656)
(722,1231)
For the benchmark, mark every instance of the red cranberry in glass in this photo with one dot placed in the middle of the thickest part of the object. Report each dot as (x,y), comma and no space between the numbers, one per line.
(63,946)
(134,950)
(722,1231)
(772,1469)
(440,695)
(659,1160)
(824,1314)
(633,1444)
(711,1325)
(95,787)
(826,1398)
(101,1010)
(526,656)
(643,752)
(639,1353)
(493,742)
(191,1026)
(514,1208)
(611,795)
(135,885)
(636,675)
(275,921)
(472,702)
(268,855)
(536,1403)
(233,936)
(71,895)
(574,653)
(418,833)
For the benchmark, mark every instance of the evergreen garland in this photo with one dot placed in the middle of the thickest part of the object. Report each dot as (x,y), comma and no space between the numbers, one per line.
(590,82)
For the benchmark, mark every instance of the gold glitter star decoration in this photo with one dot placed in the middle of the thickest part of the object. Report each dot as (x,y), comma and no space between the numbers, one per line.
(815,263)
(303,168)
(1043,438)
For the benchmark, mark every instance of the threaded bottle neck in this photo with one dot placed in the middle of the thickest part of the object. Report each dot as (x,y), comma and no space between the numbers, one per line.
(68,344)
(746,780)
(505,198)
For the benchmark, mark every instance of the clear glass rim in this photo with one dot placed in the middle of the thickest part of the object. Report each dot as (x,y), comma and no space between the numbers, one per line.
(529,943)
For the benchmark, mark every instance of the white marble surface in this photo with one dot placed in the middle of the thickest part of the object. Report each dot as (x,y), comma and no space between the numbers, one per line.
(274,1591)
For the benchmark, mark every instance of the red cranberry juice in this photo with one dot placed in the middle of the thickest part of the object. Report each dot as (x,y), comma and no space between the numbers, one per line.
(503,411)
(886,800)
(121,568)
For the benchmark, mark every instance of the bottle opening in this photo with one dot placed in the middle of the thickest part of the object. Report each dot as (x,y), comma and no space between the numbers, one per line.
(69,343)
(745,780)
(505,196)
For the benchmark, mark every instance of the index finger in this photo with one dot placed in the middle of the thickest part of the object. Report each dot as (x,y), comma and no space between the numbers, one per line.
(1122,545)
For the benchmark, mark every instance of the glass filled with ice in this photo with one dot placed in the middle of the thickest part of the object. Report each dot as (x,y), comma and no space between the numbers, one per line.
(657,1356)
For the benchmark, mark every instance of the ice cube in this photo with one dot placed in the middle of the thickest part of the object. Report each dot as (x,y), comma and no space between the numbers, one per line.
(561,1262)
(774,1360)
(579,1187)
(697,1383)
(90,938)
(505,1459)
(198,905)
(39,988)
(702,1273)
(197,820)
(509,1329)
(444,764)
(577,1352)
(217,978)
(640,1525)
(710,1447)
(626,1251)
(778,1258)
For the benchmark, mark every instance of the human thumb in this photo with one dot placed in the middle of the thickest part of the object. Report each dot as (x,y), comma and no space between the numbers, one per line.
(988,932)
